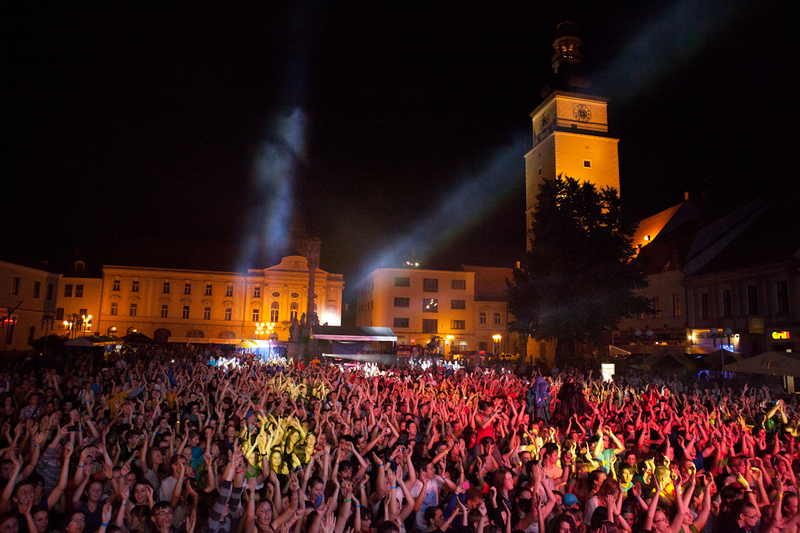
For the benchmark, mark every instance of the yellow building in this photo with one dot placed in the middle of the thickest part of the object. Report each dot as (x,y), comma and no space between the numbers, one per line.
(570,128)
(218,306)
(27,305)
(570,138)
(418,304)
(78,297)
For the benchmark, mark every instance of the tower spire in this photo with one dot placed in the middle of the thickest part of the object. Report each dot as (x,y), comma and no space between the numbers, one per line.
(567,45)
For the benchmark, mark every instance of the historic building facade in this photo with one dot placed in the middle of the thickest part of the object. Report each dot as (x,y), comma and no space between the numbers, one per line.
(570,127)
(177,304)
(465,310)
(27,304)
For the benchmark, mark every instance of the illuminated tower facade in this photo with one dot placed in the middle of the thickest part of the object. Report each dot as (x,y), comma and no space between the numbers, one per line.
(570,127)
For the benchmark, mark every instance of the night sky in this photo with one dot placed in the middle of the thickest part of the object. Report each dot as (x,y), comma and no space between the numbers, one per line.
(159,134)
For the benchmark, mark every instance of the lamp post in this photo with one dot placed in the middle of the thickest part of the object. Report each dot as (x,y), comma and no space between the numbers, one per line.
(9,321)
(649,336)
(68,325)
(728,332)
(449,340)
(86,323)
(48,319)
(496,338)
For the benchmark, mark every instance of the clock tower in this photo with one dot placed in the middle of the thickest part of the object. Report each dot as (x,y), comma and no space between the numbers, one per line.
(570,127)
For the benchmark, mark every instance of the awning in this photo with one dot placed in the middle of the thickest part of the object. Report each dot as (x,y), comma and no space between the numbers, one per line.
(769,363)
(338,333)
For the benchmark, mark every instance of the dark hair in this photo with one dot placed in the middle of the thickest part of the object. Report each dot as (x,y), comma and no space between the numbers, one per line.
(386,526)
(594,477)
(430,513)
(564,518)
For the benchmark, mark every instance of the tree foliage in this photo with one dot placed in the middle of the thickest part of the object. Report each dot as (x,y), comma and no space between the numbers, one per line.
(580,276)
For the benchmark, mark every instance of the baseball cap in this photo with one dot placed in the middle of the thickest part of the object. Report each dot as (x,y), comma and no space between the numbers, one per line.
(569,499)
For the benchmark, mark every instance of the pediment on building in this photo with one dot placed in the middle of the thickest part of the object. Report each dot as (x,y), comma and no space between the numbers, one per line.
(294,263)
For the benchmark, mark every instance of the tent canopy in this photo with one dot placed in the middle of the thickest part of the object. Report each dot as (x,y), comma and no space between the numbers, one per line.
(343,333)
(769,363)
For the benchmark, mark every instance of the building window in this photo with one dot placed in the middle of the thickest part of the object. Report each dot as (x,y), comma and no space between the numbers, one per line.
(185,313)
(229,290)
(133,310)
(164,310)
(273,312)
(458,304)
(587,163)
(430,305)
(68,290)
(31,334)
(752,299)
(114,309)
(430,285)
(83,312)
(59,313)
(37,289)
(206,313)
(430,325)
(676,305)
(482,317)
(458,284)
(400,322)
(187,288)
(50,291)
(656,307)
(208,289)
(782,293)
(15,281)
(165,288)
(459,324)
(401,302)
(704,306)
(497,319)
(257,291)
(78,291)
(256,315)
(402,282)
(727,307)
(228,313)
(292,311)
(115,285)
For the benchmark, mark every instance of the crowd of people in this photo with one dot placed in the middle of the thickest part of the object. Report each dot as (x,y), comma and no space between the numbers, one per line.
(165,441)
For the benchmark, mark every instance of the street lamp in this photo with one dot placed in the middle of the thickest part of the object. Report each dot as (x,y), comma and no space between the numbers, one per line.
(649,334)
(48,319)
(86,322)
(496,337)
(449,340)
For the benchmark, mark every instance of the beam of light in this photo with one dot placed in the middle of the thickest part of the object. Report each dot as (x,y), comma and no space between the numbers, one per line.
(679,33)
(463,209)
(270,229)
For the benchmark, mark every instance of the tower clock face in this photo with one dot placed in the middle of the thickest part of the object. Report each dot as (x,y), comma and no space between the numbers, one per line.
(582,113)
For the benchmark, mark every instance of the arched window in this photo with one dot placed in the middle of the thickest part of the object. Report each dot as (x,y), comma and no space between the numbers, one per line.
(162,335)
(195,334)
(227,335)
(292,311)
(273,313)
(131,331)
(112,330)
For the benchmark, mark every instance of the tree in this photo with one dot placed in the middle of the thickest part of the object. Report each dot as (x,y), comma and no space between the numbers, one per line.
(581,273)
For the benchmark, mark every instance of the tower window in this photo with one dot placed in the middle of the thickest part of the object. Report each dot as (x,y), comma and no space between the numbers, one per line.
(540,171)
(587,163)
